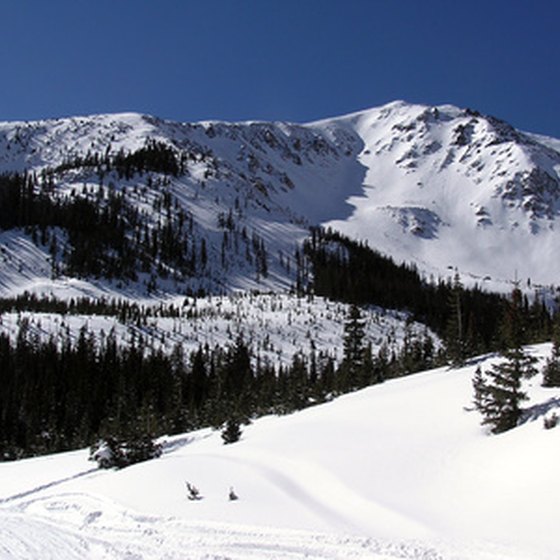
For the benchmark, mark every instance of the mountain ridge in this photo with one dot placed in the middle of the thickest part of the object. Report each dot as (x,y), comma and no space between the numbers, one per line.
(413,181)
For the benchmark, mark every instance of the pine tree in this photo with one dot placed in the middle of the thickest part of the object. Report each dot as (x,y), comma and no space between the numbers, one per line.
(498,392)
(231,432)
(455,333)
(503,395)
(551,370)
(238,376)
(479,389)
(351,371)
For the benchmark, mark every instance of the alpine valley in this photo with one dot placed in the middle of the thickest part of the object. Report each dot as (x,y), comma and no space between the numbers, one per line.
(168,287)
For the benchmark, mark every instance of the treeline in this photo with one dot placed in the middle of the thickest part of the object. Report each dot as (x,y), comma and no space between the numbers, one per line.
(127,311)
(154,156)
(65,395)
(102,234)
(106,232)
(350,271)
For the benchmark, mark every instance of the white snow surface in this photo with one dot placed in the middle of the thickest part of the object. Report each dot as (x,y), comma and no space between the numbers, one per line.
(399,470)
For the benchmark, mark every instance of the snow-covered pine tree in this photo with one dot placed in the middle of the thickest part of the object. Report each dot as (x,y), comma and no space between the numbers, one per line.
(231,432)
(113,452)
(480,389)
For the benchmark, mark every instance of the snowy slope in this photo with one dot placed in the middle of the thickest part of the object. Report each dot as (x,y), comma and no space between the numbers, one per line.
(452,188)
(378,474)
(275,326)
(438,186)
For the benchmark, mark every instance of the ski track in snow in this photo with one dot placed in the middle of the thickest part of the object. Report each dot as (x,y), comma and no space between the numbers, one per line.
(47,486)
(79,526)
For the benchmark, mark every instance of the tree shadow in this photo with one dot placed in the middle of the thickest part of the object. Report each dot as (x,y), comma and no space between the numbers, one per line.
(537,411)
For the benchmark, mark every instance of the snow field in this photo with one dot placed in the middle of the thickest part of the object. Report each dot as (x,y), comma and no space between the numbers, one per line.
(398,470)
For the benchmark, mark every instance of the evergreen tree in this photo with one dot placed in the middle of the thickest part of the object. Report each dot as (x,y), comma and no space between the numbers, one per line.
(298,385)
(479,389)
(498,394)
(238,377)
(351,371)
(198,380)
(231,432)
(112,452)
(456,349)
(551,370)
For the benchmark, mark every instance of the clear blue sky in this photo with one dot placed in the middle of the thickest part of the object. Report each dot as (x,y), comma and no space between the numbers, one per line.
(279,59)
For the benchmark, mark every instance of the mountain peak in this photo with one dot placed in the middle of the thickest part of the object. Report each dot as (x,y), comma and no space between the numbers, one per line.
(414,181)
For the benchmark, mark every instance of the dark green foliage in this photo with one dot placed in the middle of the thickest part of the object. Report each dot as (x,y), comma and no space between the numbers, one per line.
(354,336)
(356,369)
(64,395)
(154,156)
(107,453)
(237,374)
(231,432)
(479,390)
(105,231)
(455,340)
(105,237)
(345,270)
(141,448)
(501,394)
(551,370)
(416,355)
(114,453)
(498,393)
(349,271)
(126,311)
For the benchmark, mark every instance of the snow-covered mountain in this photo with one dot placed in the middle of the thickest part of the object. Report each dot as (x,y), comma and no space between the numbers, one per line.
(379,474)
(221,210)
(440,187)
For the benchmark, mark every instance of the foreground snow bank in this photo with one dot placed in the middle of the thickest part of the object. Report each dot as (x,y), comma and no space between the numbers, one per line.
(401,470)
